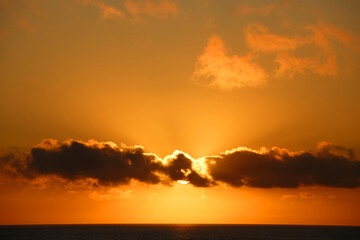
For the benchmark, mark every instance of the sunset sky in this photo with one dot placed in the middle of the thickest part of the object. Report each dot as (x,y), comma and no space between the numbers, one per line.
(106,104)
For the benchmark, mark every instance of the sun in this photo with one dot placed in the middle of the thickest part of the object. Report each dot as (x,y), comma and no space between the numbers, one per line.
(182,181)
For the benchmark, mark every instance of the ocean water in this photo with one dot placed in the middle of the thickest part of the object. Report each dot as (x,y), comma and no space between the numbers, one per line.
(182,231)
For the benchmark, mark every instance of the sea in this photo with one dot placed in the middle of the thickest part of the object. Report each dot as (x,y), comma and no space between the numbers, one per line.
(178,231)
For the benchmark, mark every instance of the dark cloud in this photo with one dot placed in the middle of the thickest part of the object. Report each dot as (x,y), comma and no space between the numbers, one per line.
(180,166)
(105,162)
(109,165)
(327,165)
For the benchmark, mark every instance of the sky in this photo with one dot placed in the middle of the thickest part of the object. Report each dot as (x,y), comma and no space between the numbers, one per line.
(179,111)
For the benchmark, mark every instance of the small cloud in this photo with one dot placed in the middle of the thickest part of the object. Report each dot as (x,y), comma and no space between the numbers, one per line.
(215,68)
(301,195)
(306,195)
(159,9)
(107,11)
(260,39)
(111,194)
(323,33)
(289,196)
(290,65)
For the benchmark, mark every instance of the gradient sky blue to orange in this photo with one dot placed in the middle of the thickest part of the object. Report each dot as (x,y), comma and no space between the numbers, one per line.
(201,77)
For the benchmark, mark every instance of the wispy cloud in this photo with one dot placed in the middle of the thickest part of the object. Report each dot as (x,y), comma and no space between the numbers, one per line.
(301,195)
(325,62)
(136,9)
(159,9)
(260,39)
(107,11)
(20,14)
(110,194)
(216,68)
(289,65)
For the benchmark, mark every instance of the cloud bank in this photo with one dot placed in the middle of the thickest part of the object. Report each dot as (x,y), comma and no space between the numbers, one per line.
(104,162)
(327,165)
(107,164)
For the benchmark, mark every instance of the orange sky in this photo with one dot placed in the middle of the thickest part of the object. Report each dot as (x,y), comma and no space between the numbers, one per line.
(260,98)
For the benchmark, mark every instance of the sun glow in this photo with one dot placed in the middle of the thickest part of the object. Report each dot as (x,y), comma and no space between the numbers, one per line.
(183,182)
